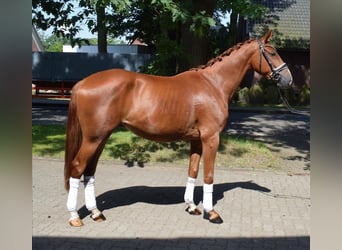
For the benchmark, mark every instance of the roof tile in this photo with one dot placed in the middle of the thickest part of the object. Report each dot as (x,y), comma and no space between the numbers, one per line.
(289,18)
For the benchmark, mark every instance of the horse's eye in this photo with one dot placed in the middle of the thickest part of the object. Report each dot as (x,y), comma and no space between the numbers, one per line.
(272,53)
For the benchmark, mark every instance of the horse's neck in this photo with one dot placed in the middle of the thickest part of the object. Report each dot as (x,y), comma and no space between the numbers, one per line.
(231,70)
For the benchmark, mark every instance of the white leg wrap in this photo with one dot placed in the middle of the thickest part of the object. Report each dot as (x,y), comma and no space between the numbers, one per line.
(89,192)
(72,196)
(95,213)
(189,192)
(73,215)
(208,197)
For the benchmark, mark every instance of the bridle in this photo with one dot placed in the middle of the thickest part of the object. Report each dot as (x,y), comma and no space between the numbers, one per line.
(275,74)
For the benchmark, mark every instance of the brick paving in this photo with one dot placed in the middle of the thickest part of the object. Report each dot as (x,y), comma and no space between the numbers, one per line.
(145,210)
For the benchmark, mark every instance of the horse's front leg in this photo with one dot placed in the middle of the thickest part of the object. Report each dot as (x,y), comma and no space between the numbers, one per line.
(195,157)
(210,146)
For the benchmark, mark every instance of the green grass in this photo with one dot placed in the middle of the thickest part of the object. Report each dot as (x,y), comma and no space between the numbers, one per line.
(234,151)
(48,140)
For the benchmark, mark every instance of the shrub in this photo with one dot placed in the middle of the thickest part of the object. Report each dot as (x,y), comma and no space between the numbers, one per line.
(291,96)
(256,94)
(271,95)
(304,96)
(243,96)
(235,98)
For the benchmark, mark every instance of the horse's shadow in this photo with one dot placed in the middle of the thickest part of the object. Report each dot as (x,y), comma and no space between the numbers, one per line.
(163,195)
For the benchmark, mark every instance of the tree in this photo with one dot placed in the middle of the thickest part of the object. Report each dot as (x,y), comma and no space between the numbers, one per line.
(52,43)
(67,18)
(176,30)
(182,28)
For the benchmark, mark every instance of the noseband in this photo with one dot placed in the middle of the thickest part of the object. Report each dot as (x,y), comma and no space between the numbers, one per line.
(275,75)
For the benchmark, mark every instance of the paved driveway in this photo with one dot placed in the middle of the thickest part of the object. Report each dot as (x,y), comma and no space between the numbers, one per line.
(145,210)
(144,206)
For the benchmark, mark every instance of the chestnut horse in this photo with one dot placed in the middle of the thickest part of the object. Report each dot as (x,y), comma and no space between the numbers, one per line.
(191,106)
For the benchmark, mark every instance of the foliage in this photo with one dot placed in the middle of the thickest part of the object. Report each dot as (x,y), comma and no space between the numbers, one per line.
(67,17)
(304,96)
(56,14)
(218,40)
(270,90)
(272,95)
(243,96)
(165,63)
(265,92)
(161,24)
(199,23)
(298,96)
(53,43)
(256,94)
(169,27)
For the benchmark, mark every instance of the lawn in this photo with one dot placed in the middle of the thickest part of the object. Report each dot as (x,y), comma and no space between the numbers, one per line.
(234,151)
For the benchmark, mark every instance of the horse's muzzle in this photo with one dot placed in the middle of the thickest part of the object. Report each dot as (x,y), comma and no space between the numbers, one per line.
(284,79)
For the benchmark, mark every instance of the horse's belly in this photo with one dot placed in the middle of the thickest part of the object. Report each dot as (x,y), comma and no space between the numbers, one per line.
(162,133)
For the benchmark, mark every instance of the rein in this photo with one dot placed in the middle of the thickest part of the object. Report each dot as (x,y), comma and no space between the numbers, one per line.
(289,107)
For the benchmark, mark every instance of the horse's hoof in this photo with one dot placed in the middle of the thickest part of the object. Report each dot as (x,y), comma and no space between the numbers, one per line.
(77,222)
(98,218)
(213,217)
(194,211)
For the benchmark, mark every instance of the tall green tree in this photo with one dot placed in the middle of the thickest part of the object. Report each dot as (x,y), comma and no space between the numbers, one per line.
(68,17)
(177,30)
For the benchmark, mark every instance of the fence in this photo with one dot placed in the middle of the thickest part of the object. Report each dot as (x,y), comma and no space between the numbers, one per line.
(56,73)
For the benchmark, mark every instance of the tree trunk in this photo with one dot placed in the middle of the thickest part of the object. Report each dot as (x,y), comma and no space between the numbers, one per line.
(101,29)
(193,45)
(233,25)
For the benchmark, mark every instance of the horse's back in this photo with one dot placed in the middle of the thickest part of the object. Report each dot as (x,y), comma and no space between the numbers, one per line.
(106,77)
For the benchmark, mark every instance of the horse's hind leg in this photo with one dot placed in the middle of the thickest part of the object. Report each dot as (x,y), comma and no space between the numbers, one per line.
(195,156)
(84,163)
(74,219)
(89,187)
(210,146)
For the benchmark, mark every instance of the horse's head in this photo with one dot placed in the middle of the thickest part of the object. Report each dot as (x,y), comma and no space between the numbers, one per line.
(267,62)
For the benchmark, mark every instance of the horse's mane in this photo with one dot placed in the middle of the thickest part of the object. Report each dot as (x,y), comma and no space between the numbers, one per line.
(220,57)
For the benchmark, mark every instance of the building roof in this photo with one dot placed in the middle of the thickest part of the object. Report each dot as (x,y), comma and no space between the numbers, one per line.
(36,42)
(290,20)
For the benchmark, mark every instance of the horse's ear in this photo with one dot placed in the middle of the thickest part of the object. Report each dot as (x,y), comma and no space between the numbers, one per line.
(267,37)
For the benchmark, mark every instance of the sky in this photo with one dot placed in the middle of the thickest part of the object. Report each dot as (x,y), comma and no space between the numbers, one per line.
(85,33)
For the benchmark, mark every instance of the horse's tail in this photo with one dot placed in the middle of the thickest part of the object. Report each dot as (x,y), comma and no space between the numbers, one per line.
(73,140)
